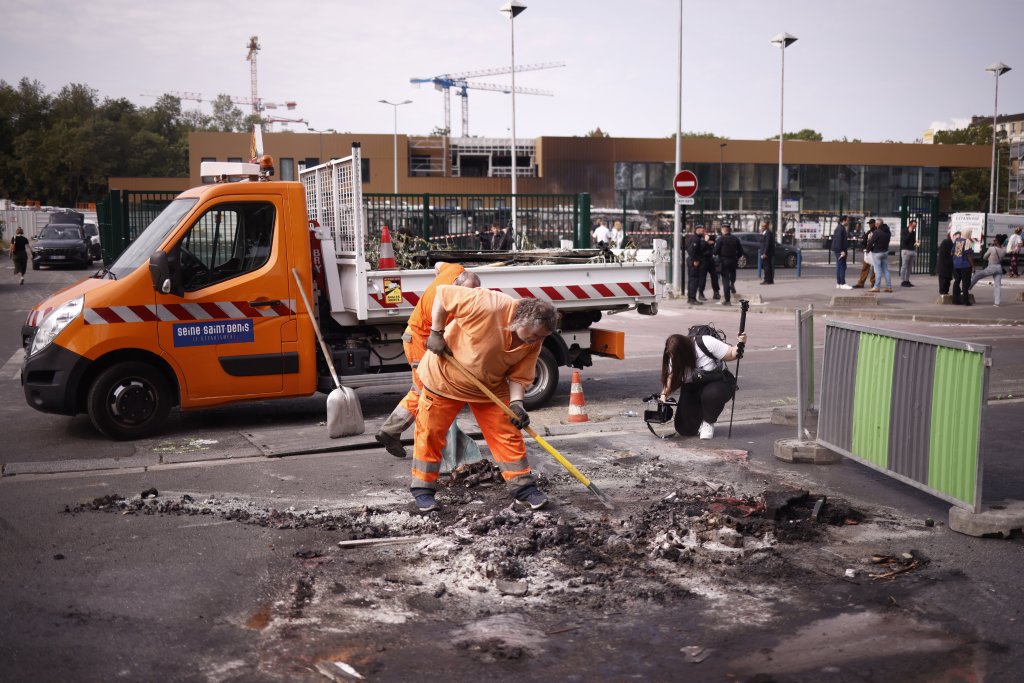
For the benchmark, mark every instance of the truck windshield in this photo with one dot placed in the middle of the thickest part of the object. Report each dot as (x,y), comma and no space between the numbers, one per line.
(139,251)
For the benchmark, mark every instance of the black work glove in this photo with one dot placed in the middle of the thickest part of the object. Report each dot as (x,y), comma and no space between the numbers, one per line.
(522,418)
(437,344)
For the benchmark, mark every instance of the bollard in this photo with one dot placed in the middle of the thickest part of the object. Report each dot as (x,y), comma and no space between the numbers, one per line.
(759,276)
(799,260)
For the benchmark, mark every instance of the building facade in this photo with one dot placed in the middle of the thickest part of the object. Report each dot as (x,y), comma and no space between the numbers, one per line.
(628,173)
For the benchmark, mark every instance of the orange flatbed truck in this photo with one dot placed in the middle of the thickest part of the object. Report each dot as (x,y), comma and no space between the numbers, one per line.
(202,308)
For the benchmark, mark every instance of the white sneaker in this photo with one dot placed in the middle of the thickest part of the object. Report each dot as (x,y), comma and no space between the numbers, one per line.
(845,287)
(707,431)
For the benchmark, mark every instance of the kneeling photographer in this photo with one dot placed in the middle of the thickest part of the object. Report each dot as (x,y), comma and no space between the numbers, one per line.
(696,364)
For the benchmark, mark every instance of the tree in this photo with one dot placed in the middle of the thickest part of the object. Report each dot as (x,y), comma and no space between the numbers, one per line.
(805,134)
(970,186)
(227,117)
(597,133)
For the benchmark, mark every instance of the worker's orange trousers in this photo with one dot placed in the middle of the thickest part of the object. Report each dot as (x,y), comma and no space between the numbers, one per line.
(414,347)
(435,416)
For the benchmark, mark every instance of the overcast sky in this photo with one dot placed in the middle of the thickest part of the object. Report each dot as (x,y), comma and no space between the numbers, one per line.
(869,69)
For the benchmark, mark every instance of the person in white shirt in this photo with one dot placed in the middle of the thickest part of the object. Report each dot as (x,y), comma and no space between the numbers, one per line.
(616,235)
(602,235)
(1013,249)
(684,365)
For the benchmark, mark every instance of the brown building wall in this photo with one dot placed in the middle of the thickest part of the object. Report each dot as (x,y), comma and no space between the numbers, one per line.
(576,164)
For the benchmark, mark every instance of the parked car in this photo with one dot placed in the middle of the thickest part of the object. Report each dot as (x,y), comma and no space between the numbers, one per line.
(59,245)
(785,255)
(93,233)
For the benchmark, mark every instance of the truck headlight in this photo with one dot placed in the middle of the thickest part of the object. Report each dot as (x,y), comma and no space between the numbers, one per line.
(54,323)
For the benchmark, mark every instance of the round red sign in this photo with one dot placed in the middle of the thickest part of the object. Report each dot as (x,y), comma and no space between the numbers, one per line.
(685,184)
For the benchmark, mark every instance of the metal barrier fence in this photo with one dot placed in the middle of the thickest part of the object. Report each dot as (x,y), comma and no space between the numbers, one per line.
(458,221)
(124,214)
(907,405)
(804,368)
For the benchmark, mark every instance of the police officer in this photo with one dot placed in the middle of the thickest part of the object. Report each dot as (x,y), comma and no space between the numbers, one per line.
(695,245)
(728,250)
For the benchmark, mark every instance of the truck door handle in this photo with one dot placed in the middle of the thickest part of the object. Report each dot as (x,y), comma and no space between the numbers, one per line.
(265,302)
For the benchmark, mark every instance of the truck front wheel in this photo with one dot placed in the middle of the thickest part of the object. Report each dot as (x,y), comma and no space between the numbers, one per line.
(129,400)
(545,382)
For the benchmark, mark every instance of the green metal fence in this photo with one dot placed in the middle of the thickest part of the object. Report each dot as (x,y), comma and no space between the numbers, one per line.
(457,221)
(124,214)
(924,210)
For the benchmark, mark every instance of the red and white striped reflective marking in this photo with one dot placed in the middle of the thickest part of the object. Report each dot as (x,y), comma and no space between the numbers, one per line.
(36,316)
(220,310)
(560,293)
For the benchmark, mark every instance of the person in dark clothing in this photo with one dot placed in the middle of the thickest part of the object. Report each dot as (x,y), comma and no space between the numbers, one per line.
(19,254)
(944,264)
(708,268)
(767,253)
(866,268)
(728,250)
(694,263)
(908,253)
(963,266)
(840,245)
(878,245)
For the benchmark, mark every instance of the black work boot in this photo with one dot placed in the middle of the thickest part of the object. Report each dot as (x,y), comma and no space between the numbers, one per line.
(390,433)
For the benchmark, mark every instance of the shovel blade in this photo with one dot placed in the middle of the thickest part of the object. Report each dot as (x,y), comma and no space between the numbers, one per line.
(344,414)
(459,449)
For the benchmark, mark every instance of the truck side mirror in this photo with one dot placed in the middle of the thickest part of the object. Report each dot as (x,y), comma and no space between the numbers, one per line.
(166,278)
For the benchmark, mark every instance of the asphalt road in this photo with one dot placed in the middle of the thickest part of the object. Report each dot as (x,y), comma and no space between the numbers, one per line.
(106,596)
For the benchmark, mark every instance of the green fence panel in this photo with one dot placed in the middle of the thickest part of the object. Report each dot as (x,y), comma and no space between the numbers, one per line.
(872,398)
(124,214)
(956,418)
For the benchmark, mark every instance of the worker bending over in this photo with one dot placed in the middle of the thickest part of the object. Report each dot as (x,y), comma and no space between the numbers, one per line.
(497,339)
(414,343)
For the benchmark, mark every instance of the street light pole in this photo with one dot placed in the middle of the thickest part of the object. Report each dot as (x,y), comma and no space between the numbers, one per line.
(321,134)
(395,106)
(678,228)
(513,9)
(721,160)
(997,69)
(782,40)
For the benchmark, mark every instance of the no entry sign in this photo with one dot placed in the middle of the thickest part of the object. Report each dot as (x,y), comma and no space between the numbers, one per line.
(685,183)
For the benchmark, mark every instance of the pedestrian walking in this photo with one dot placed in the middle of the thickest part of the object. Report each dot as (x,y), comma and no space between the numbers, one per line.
(19,252)
(879,247)
(414,343)
(963,265)
(694,246)
(767,253)
(867,267)
(944,265)
(696,367)
(727,250)
(840,246)
(994,258)
(1013,248)
(497,339)
(908,253)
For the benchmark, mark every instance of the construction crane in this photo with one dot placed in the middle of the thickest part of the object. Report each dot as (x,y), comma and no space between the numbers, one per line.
(254,47)
(200,97)
(445,82)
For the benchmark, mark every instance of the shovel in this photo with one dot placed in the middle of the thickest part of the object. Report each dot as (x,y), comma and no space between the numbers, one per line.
(536,437)
(459,449)
(344,414)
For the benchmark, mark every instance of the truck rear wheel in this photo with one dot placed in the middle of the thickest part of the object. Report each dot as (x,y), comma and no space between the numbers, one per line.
(129,400)
(545,382)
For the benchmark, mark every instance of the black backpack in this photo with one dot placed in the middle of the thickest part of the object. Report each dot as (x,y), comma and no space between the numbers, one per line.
(696,333)
(708,330)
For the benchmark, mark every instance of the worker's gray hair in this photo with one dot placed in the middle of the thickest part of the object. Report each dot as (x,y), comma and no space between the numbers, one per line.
(535,312)
(467,279)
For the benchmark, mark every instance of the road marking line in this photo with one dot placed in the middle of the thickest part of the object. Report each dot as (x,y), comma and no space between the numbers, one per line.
(12,368)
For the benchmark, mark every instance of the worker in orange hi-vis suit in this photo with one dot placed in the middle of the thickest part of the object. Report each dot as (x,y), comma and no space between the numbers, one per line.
(414,342)
(497,339)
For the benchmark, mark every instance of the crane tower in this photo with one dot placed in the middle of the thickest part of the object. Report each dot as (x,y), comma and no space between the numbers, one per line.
(254,47)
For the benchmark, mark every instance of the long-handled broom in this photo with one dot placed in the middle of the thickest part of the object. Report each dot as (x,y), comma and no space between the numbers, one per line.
(536,437)
(344,414)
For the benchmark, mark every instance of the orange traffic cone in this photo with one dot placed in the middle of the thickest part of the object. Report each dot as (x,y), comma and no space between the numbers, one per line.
(387,252)
(577,406)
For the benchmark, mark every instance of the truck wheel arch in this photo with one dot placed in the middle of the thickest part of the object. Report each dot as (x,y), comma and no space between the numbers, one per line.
(124,356)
